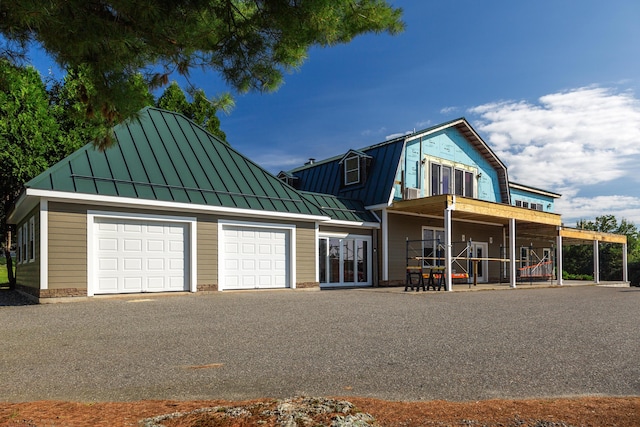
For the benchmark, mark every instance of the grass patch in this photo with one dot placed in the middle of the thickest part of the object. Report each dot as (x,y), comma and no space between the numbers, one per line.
(4,278)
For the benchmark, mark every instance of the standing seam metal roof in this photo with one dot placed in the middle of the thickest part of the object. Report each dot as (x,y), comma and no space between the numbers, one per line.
(325,176)
(163,156)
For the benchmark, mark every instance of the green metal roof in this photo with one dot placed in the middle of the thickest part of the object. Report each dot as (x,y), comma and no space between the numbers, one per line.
(164,156)
(341,209)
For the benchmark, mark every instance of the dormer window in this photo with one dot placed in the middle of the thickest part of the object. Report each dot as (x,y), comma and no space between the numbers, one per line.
(354,167)
(352,170)
(288,178)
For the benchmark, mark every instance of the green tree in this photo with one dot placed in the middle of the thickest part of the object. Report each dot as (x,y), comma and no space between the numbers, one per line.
(251,43)
(579,259)
(28,138)
(200,109)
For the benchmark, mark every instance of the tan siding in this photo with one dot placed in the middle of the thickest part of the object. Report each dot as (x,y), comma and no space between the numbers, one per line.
(67,246)
(402,227)
(305,252)
(207,250)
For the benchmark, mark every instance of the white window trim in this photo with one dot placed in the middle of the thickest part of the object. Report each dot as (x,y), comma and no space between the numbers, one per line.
(292,246)
(347,170)
(31,243)
(434,229)
(431,161)
(192,276)
(19,245)
(342,236)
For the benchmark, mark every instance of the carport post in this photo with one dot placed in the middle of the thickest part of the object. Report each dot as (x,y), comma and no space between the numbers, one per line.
(512,252)
(625,272)
(596,261)
(559,258)
(447,248)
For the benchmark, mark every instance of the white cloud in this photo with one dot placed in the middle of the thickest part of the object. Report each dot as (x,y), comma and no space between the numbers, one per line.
(569,140)
(423,123)
(275,163)
(372,132)
(448,110)
(398,134)
(574,209)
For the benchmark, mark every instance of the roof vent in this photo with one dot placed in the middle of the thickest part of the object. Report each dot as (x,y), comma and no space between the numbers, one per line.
(311,161)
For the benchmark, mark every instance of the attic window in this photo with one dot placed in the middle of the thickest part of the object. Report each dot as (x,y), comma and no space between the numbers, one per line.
(288,178)
(352,170)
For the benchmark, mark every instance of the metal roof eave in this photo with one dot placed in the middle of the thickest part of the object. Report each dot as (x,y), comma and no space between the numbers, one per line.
(84,198)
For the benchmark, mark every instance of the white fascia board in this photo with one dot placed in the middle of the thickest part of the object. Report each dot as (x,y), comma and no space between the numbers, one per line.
(379,207)
(352,223)
(22,207)
(434,130)
(112,201)
(534,190)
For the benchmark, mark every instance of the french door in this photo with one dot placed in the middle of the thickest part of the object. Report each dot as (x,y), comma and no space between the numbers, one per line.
(344,261)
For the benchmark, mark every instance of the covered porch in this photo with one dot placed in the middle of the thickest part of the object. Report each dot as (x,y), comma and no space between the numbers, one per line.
(519,243)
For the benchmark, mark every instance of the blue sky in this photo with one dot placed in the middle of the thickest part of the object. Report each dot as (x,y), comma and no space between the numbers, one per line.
(551,85)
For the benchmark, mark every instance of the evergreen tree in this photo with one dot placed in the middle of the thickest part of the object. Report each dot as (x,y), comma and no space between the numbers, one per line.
(251,43)
(200,109)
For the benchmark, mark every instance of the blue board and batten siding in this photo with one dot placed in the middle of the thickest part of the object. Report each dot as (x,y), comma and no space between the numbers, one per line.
(451,146)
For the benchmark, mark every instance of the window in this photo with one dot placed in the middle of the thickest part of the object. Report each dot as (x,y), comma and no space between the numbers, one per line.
(352,170)
(447,179)
(25,255)
(441,177)
(463,183)
(344,261)
(432,246)
(525,204)
(19,248)
(519,203)
(32,232)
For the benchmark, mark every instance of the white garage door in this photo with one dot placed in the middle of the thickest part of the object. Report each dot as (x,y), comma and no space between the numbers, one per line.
(255,257)
(140,256)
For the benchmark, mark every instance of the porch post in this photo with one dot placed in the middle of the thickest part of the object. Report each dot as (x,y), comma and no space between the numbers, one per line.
(447,248)
(625,271)
(559,259)
(512,252)
(385,246)
(596,261)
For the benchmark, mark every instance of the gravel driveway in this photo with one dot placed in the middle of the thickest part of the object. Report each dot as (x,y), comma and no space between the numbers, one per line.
(376,342)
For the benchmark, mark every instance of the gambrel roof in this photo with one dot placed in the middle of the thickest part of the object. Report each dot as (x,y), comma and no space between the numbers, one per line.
(325,176)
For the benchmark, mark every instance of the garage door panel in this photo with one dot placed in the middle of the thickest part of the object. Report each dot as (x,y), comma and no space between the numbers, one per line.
(140,255)
(132,264)
(132,245)
(256,257)
(108,244)
(132,228)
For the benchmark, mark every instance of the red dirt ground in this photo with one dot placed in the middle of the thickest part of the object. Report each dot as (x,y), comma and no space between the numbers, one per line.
(586,411)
